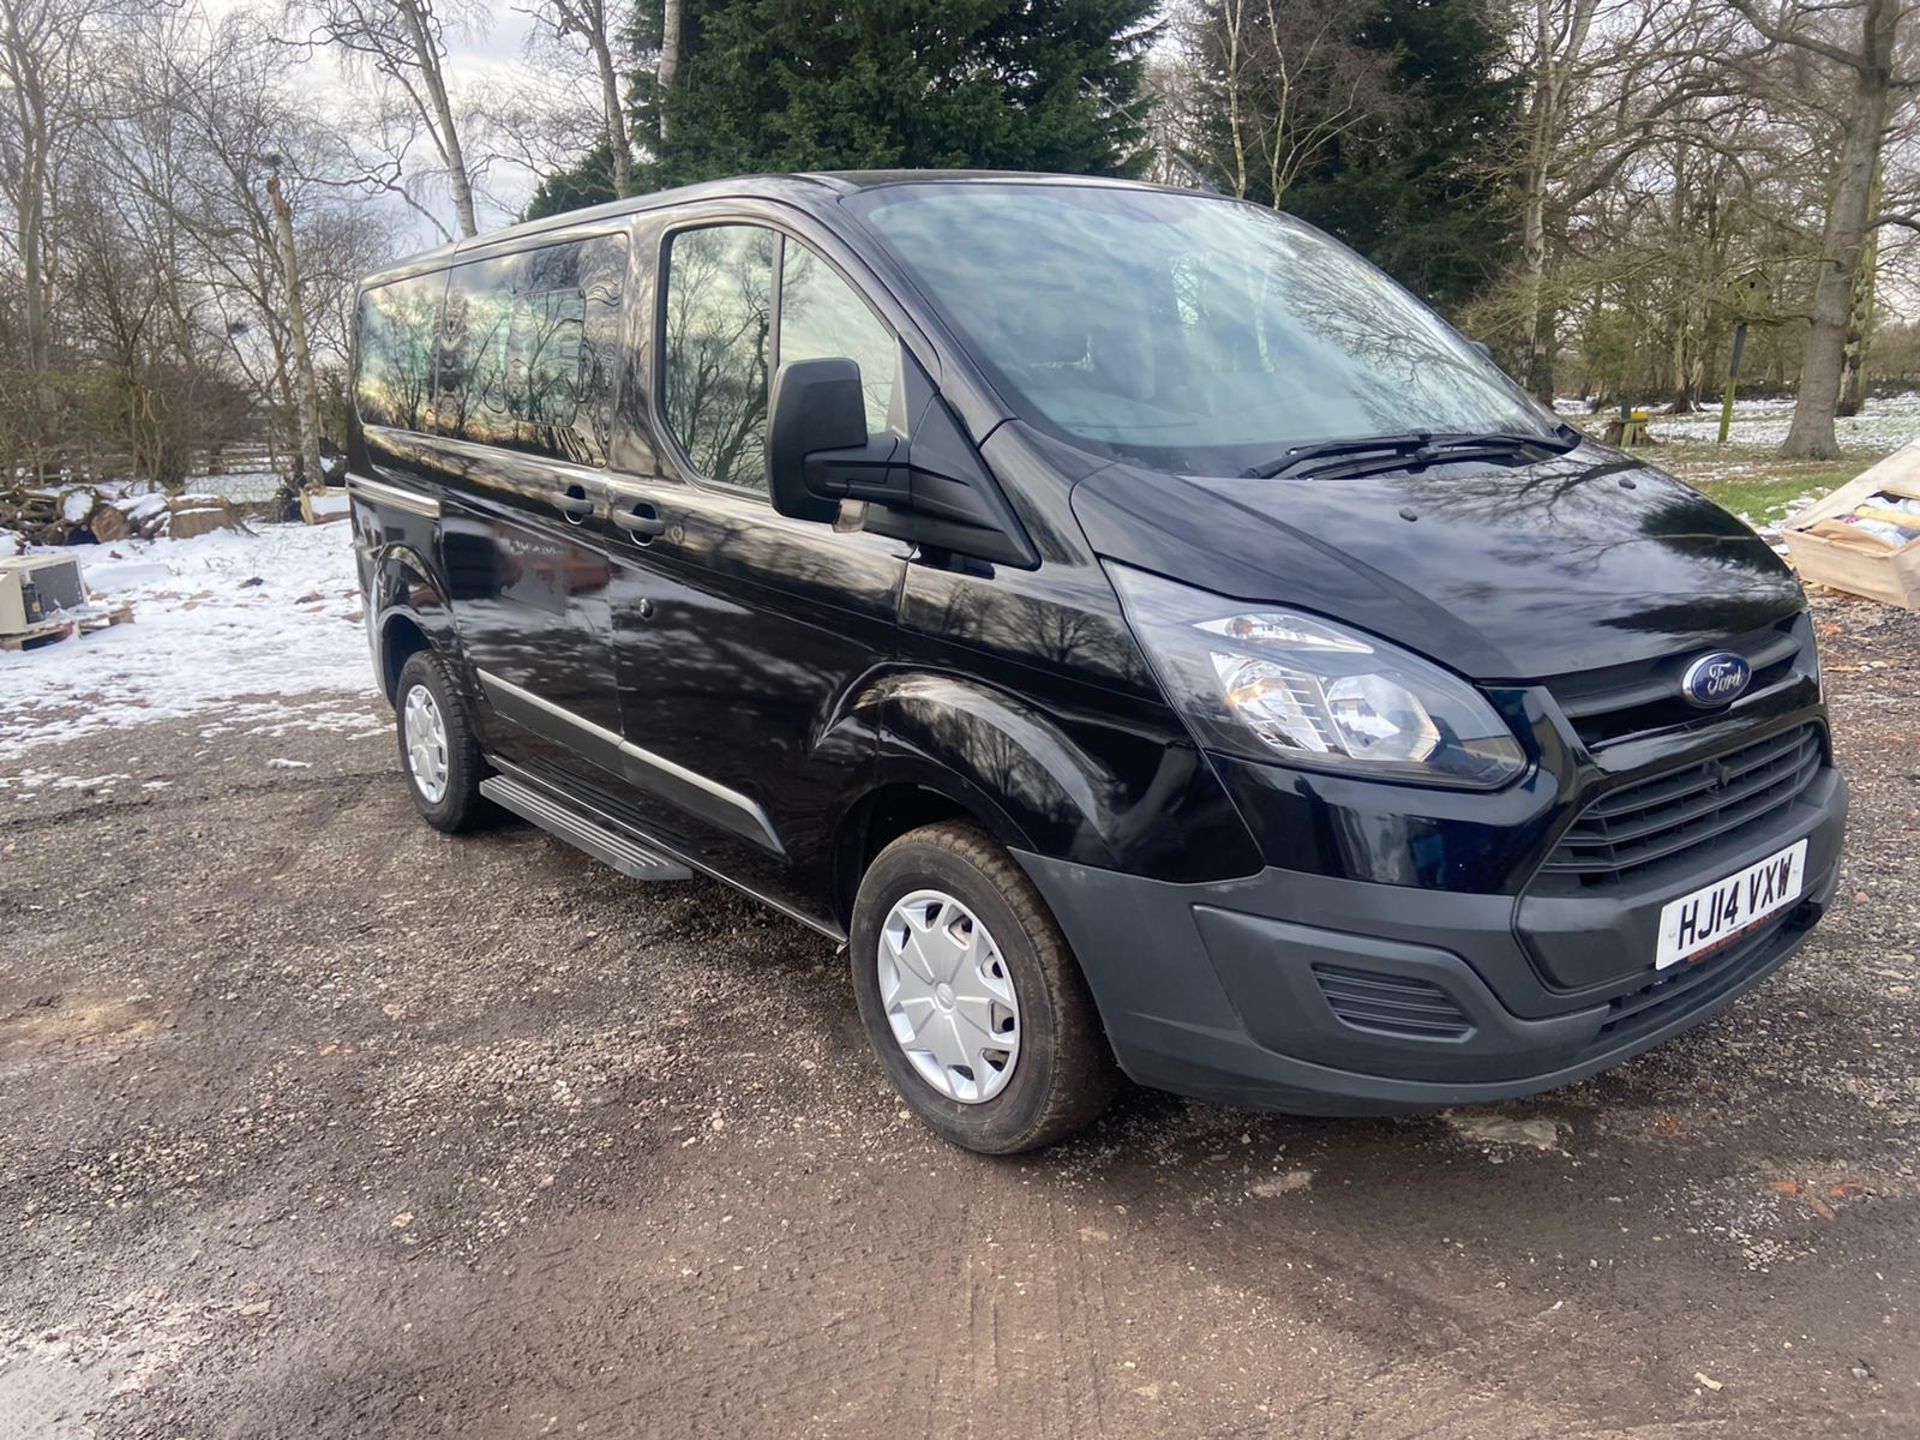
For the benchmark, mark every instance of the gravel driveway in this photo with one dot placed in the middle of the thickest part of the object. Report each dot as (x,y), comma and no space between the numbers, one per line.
(321,1124)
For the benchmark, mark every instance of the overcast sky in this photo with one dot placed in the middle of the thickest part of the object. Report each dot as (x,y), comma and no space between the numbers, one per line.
(491,51)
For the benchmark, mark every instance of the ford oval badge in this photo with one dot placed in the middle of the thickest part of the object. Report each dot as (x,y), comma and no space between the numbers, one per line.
(1717,679)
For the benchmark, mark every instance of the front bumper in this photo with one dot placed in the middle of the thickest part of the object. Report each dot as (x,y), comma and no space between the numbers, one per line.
(1327,996)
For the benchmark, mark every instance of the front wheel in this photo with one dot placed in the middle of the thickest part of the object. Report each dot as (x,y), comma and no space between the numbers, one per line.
(971,998)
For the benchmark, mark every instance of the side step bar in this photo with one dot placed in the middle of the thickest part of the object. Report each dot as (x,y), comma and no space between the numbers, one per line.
(601,843)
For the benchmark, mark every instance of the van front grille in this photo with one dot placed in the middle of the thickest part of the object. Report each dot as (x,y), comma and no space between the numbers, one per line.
(1671,815)
(1619,702)
(1392,1004)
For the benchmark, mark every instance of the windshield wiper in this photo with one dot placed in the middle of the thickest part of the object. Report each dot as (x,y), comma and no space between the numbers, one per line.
(1364,445)
(1413,448)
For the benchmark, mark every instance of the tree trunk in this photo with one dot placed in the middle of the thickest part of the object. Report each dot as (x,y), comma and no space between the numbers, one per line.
(34,143)
(32,231)
(1853,355)
(1843,241)
(1682,280)
(619,141)
(1554,57)
(306,393)
(1853,352)
(672,18)
(1533,262)
(427,55)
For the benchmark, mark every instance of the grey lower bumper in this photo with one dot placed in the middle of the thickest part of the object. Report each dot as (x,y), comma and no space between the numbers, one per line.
(1321,996)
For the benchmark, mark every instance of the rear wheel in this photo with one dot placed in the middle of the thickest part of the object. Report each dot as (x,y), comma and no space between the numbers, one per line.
(438,752)
(971,998)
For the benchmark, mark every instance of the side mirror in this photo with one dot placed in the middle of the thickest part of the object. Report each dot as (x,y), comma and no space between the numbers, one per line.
(818,449)
(931,490)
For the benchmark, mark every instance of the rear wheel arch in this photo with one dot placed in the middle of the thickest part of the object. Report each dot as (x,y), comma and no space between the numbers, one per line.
(401,638)
(411,614)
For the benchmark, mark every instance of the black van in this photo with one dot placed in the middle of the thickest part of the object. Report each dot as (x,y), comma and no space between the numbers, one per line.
(1148,637)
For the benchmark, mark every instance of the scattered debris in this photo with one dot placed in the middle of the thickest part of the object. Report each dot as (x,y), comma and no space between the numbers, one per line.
(1864,538)
(324,507)
(1708,1381)
(1269,1186)
(1493,1129)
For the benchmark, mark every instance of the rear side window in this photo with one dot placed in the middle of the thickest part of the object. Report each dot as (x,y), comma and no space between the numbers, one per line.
(397,325)
(528,350)
(718,348)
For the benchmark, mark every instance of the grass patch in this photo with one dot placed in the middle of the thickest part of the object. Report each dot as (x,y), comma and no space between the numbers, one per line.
(1764,498)
(1752,480)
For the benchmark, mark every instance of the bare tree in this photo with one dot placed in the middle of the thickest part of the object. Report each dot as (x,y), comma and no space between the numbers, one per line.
(1554,60)
(1290,81)
(1862,42)
(49,57)
(586,23)
(404,42)
(208,147)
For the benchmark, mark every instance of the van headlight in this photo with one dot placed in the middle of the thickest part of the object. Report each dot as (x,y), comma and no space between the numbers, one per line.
(1276,684)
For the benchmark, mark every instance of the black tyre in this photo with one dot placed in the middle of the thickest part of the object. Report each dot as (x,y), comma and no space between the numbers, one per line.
(438,752)
(971,998)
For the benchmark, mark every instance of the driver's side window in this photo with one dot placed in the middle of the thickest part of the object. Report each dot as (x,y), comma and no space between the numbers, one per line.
(821,317)
(718,356)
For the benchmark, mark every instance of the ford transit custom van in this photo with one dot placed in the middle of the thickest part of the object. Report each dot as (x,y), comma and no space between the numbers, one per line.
(1151,641)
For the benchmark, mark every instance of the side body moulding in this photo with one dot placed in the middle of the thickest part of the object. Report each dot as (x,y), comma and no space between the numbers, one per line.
(724,807)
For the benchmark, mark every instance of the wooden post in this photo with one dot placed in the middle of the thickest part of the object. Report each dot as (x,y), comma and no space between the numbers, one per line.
(1733,377)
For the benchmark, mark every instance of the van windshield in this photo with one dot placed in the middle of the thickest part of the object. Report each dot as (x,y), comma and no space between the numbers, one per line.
(1187,332)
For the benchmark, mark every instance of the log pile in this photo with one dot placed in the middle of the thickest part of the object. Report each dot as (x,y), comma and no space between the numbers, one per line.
(78,514)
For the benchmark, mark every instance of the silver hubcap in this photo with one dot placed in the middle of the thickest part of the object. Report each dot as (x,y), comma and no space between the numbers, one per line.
(949,997)
(426,735)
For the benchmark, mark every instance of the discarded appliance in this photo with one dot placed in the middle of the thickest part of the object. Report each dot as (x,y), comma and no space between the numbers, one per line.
(43,598)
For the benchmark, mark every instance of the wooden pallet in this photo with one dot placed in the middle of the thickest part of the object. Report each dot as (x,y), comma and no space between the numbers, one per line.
(58,630)
(118,615)
(40,635)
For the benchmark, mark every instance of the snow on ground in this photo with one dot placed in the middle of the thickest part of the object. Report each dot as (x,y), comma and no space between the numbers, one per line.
(254,631)
(1885,424)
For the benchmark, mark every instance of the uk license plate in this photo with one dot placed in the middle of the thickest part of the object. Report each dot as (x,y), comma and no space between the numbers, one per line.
(1714,914)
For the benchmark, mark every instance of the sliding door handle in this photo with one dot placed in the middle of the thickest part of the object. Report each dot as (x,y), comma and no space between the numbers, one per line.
(640,520)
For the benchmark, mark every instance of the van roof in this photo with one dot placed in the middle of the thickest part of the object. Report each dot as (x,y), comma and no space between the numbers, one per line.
(807,189)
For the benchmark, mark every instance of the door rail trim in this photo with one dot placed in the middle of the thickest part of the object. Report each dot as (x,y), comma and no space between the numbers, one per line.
(723,806)
(412,501)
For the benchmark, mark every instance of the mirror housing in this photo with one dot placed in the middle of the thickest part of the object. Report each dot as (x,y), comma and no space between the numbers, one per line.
(816,408)
(931,489)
